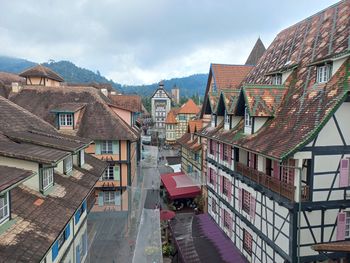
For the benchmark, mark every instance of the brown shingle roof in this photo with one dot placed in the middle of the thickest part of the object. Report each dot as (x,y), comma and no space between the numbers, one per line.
(69,107)
(128,102)
(41,71)
(256,53)
(306,106)
(189,108)
(98,121)
(10,176)
(170,118)
(7,78)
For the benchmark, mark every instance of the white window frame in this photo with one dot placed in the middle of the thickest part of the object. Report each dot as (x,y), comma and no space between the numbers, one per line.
(47,177)
(109,173)
(347,224)
(109,197)
(323,73)
(107,147)
(66,119)
(247,118)
(68,164)
(277,79)
(212,120)
(4,208)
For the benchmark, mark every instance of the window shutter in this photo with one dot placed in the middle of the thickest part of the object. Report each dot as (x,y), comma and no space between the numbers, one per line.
(240,195)
(100,199)
(67,231)
(77,216)
(117,198)
(229,191)
(77,259)
(230,224)
(214,148)
(253,155)
(276,170)
(229,154)
(115,147)
(221,151)
(97,147)
(54,250)
(116,172)
(222,217)
(214,179)
(222,184)
(84,206)
(341,226)
(344,173)
(252,207)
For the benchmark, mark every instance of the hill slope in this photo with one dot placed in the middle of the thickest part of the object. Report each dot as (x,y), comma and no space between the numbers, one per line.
(191,85)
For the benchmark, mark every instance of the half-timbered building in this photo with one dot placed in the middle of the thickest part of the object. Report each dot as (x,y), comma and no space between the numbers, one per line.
(278,145)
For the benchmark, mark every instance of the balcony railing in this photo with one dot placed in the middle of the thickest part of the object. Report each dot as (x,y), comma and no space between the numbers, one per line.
(284,189)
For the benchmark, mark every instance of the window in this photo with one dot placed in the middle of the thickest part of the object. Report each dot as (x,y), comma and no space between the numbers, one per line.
(246,201)
(211,147)
(109,198)
(227,119)
(61,239)
(66,119)
(213,118)
(226,152)
(226,188)
(196,157)
(211,176)
(347,224)
(277,79)
(323,73)
(109,173)
(4,208)
(247,242)
(247,118)
(47,178)
(106,147)
(68,164)
(213,205)
(226,219)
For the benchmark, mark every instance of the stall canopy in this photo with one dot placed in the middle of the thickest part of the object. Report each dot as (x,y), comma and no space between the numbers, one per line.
(179,185)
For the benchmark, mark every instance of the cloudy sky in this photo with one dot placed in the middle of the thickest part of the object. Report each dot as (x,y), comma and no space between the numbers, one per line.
(143,41)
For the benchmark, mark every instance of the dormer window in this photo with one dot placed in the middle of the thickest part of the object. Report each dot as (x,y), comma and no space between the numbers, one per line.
(4,208)
(277,79)
(213,118)
(46,178)
(66,119)
(227,121)
(68,165)
(247,118)
(323,73)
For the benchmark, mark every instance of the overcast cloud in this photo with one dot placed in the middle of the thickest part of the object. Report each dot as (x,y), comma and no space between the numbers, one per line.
(143,41)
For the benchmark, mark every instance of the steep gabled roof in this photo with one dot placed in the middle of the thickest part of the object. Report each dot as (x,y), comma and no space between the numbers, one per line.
(97,120)
(263,100)
(41,71)
(230,98)
(189,108)
(131,103)
(256,53)
(195,125)
(171,117)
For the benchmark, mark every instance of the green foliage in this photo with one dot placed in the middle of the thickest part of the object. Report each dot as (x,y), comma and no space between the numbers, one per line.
(146,101)
(168,250)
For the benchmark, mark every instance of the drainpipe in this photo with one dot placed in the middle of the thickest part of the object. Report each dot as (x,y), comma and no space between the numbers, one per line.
(299,204)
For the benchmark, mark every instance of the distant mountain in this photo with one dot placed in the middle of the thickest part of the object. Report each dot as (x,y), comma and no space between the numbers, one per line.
(189,86)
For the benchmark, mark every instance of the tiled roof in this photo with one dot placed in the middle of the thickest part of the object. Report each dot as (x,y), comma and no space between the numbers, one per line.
(306,106)
(41,71)
(189,108)
(97,120)
(230,98)
(127,102)
(38,224)
(69,107)
(229,76)
(256,53)
(186,142)
(213,101)
(10,176)
(263,101)
(170,118)
(195,125)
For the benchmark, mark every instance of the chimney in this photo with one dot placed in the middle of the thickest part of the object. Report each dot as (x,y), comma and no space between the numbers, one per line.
(15,87)
(105,92)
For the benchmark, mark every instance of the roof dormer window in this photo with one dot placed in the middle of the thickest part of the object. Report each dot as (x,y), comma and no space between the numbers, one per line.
(213,120)
(247,118)
(46,178)
(4,208)
(66,119)
(277,79)
(323,73)
(227,121)
(68,165)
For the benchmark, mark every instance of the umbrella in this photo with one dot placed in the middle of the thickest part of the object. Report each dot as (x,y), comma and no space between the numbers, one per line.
(166,214)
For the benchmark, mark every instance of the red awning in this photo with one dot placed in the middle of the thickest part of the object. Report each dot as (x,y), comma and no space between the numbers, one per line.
(179,185)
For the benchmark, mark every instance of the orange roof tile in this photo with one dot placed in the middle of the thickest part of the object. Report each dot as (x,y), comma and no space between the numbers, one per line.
(170,118)
(195,125)
(189,108)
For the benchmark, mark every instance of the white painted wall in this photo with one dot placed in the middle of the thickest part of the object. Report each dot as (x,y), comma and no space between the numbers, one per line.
(259,122)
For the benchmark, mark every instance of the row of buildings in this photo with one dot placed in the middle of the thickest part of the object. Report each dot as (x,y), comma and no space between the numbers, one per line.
(64,150)
(274,147)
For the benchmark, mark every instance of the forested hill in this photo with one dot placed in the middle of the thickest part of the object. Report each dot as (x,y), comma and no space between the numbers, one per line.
(191,85)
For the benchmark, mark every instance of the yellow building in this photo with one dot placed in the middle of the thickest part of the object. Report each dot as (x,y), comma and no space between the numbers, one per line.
(177,121)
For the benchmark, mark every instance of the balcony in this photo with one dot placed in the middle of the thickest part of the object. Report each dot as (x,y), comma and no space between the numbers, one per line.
(284,189)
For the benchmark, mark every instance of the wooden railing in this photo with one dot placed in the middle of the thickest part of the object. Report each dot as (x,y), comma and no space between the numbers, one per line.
(272,183)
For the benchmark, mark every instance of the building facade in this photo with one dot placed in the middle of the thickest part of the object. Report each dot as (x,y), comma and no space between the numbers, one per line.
(161,105)
(278,155)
